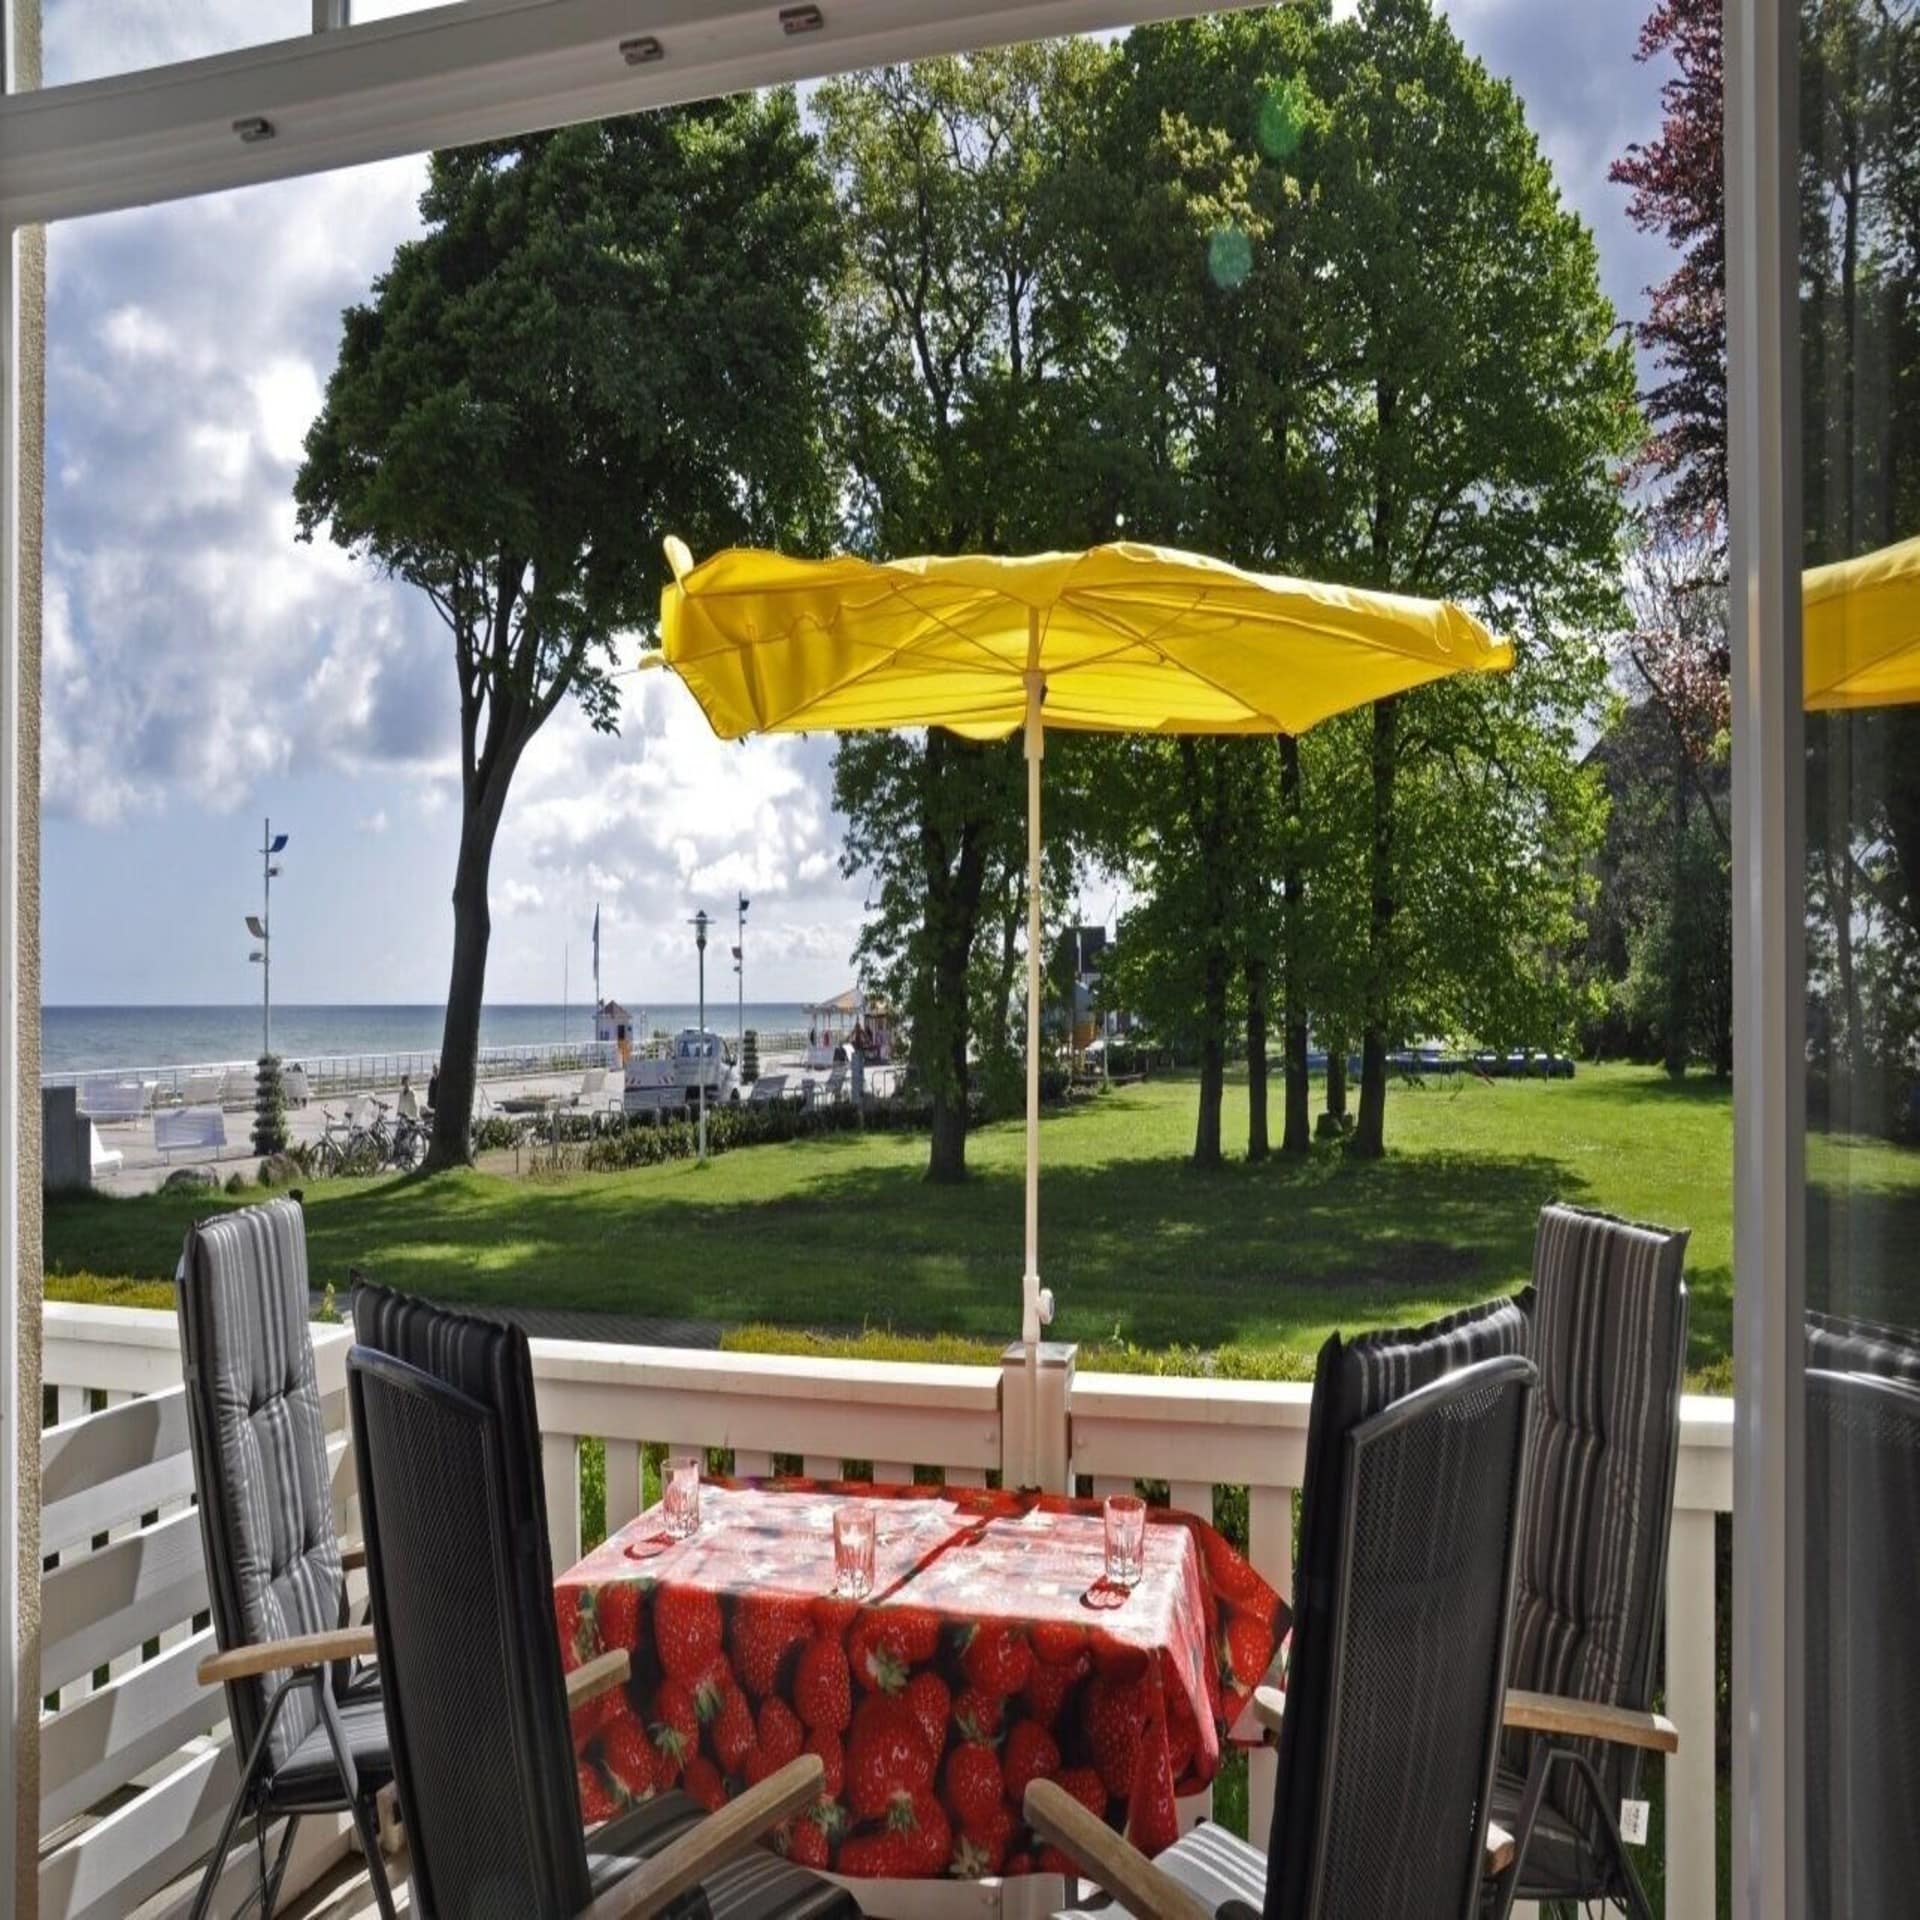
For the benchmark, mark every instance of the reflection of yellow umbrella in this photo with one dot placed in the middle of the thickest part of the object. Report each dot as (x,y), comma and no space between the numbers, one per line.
(1120,639)
(1862,629)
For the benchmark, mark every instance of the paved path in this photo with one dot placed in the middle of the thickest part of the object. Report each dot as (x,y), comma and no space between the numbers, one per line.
(143,1168)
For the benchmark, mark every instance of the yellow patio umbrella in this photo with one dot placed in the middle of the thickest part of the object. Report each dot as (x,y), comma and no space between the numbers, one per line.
(1123,638)
(1861,629)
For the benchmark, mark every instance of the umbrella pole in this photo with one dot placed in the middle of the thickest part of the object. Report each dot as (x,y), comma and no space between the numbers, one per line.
(1036,1308)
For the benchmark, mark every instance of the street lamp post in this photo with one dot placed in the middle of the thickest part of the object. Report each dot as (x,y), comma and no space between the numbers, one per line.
(700,924)
(260,925)
(740,979)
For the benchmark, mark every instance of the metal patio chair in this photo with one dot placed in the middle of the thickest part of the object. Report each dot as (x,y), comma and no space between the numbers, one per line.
(309,1731)
(1415,1457)
(1608,1336)
(448,1452)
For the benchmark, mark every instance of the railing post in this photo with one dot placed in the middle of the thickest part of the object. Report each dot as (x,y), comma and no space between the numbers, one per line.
(560,1468)
(1037,1398)
(1693,1832)
(1270,1549)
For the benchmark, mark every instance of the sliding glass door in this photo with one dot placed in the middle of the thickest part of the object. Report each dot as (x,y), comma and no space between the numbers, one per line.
(1858,307)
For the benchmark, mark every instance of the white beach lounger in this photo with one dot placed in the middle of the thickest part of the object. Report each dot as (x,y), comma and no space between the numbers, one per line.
(768,1090)
(836,1087)
(102,1159)
(189,1129)
(202,1089)
(116,1099)
(238,1088)
(293,1083)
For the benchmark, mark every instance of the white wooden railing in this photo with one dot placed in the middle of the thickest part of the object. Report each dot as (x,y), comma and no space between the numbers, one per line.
(133,1780)
(132,1785)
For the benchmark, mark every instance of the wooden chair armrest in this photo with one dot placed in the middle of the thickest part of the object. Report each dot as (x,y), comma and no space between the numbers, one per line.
(722,1836)
(601,1674)
(1105,1858)
(1269,1708)
(353,1555)
(284,1656)
(1498,1856)
(1588,1720)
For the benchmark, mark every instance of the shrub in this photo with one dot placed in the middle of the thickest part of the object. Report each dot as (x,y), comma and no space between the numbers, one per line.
(269,1107)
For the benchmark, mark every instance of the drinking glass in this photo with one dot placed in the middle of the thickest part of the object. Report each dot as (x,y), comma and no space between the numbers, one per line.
(1126,1516)
(683,1495)
(853,1533)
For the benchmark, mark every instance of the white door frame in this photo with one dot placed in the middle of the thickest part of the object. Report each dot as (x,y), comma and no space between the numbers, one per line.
(342,96)
(1769,904)
(493,68)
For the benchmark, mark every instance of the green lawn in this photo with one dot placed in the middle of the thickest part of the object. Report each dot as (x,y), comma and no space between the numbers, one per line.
(842,1233)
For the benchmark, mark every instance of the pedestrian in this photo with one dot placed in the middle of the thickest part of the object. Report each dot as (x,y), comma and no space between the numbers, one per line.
(433,1087)
(409,1102)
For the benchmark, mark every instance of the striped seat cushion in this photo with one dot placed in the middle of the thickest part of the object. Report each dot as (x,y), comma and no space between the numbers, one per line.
(1609,1338)
(310,1779)
(758,1886)
(1227,1875)
(259,1450)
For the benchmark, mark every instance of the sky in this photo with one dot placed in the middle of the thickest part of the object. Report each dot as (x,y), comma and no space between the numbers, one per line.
(204,671)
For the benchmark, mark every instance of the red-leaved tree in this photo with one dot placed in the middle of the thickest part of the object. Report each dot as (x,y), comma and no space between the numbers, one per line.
(1677,183)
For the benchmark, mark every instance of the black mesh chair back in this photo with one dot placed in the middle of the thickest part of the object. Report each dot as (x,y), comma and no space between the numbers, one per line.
(472,1764)
(462,1588)
(1609,1338)
(1353,1381)
(1863,1644)
(1431,1491)
(259,1452)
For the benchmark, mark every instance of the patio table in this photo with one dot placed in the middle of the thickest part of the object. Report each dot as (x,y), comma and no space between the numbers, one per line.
(990,1652)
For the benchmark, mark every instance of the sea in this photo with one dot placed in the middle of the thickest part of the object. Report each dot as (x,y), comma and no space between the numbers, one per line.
(84,1039)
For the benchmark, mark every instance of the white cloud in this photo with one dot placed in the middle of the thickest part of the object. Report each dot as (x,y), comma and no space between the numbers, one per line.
(375,822)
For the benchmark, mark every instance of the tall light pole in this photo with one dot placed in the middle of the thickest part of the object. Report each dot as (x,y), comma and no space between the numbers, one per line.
(260,925)
(700,924)
(740,978)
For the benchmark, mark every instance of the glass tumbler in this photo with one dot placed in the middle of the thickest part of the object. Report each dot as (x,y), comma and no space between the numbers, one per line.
(683,1495)
(1126,1517)
(853,1537)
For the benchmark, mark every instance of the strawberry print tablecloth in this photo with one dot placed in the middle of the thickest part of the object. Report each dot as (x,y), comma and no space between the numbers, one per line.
(991,1653)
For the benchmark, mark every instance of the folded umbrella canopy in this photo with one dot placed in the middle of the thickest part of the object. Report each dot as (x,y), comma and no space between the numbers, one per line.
(1121,639)
(1861,629)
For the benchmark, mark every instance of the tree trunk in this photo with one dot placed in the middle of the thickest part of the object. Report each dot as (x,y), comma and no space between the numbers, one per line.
(1298,1134)
(1336,1077)
(1213,1057)
(1206,804)
(452,1141)
(1257,1144)
(955,879)
(1370,1128)
(1679,1014)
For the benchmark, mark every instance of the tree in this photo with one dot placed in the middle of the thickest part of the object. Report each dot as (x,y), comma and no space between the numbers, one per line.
(1492,409)
(605,335)
(1679,193)
(1675,647)
(946,173)
(1336,322)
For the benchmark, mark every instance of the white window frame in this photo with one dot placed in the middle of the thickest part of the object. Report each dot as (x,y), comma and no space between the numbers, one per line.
(493,68)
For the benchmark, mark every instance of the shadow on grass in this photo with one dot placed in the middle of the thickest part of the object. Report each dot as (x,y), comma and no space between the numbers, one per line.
(1147,1249)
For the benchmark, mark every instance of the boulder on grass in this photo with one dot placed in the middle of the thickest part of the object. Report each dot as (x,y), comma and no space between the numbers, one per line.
(279,1170)
(192,1180)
